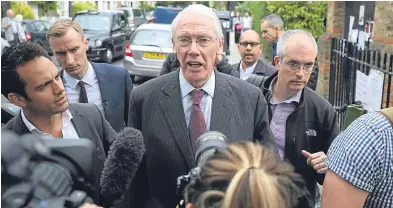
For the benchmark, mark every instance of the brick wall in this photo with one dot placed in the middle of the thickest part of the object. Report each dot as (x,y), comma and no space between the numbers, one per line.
(334,28)
(383,36)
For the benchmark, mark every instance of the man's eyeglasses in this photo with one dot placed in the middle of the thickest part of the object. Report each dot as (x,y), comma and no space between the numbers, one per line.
(252,44)
(202,42)
(295,66)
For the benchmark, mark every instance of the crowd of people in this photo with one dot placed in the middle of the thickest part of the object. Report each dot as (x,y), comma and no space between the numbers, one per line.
(284,137)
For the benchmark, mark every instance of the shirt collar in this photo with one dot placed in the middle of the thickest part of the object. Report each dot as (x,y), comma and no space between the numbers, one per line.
(295,98)
(87,79)
(249,68)
(66,118)
(186,88)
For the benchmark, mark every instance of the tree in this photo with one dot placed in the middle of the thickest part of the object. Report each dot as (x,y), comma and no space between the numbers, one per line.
(80,6)
(146,7)
(47,8)
(306,15)
(23,9)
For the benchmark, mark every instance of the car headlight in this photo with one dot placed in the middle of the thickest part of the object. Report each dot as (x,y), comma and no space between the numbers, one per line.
(98,43)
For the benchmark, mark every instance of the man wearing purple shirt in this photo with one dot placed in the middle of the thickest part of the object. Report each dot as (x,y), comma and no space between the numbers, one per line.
(303,123)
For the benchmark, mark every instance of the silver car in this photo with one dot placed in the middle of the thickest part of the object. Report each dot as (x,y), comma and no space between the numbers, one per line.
(148,48)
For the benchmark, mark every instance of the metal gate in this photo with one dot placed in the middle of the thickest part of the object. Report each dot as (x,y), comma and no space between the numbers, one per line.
(346,59)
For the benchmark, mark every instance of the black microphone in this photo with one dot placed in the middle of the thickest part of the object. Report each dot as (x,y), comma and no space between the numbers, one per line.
(124,157)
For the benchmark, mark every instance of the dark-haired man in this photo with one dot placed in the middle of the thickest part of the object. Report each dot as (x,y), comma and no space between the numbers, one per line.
(31,81)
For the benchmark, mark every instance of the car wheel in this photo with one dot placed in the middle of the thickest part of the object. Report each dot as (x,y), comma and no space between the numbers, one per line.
(108,56)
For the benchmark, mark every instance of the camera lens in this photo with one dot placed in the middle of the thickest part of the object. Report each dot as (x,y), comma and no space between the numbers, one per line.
(206,145)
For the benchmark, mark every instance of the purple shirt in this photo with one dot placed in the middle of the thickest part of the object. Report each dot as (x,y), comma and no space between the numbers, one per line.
(280,113)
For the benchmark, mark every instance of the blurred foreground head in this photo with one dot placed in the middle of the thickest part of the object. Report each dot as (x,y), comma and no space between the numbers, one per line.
(246,175)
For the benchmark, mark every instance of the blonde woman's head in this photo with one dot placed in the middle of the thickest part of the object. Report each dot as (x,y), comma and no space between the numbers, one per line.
(246,175)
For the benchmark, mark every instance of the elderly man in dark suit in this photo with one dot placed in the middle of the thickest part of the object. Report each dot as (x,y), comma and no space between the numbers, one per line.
(250,49)
(31,81)
(104,85)
(173,110)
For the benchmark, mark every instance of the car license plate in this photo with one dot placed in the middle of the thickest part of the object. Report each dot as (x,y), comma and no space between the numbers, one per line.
(152,55)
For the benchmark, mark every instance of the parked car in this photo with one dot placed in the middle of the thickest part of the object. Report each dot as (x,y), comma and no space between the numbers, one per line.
(106,31)
(148,48)
(4,44)
(149,16)
(36,32)
(136,17)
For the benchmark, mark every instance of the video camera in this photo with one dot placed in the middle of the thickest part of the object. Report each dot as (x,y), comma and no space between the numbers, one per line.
(45,172)
(206,146)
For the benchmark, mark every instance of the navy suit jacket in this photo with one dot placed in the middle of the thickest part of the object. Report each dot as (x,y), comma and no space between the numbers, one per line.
(115,86)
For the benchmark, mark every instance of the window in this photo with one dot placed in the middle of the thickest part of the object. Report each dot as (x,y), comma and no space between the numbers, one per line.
(137,13)
(159,38)
(94,22)
(39,27)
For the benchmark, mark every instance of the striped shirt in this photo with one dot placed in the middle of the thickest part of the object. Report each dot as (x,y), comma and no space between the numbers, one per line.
(363,156)
(280,113)
(92,88)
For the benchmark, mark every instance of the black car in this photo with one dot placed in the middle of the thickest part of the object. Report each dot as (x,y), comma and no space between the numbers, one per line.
(36,32)
(107,32)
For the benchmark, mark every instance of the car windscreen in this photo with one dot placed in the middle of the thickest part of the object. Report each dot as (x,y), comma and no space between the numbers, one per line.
(159,38)
(94,22)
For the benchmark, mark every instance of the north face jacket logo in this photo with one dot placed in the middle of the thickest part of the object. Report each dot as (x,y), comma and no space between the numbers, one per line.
(311,132)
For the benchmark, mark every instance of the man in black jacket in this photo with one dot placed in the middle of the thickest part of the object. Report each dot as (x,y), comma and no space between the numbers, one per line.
(303,123)
(172,64)
(272,26)
(250,49)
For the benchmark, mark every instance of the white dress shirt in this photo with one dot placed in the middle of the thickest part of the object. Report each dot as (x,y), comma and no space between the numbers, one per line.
(246,74)
(92,88)
(68,129)
(206,101)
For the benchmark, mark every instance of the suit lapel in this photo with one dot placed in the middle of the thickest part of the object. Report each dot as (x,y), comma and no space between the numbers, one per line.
(79,123)
(172,108)
(236,72)
(222,105)
(104,81)
(259,68)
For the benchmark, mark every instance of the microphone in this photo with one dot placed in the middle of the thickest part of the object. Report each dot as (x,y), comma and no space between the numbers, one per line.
(124,157)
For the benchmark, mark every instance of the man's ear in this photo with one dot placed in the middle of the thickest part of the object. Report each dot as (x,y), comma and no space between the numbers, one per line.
(277,62)
(86,42)
(173,46)
(221,45)
(17,100)
(261,47)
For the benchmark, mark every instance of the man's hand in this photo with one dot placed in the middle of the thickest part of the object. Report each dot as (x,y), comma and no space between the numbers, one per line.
(316,160)
(86,205)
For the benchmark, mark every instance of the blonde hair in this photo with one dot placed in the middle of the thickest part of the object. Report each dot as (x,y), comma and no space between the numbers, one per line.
(246,175)
(60,28)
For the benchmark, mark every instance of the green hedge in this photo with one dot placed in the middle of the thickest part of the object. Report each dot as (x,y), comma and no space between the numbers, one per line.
(306,15)
(22,8)
(80,6)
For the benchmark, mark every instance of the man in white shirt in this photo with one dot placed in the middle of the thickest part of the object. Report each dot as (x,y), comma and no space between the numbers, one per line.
(246,22)
(31,81)
(250,50)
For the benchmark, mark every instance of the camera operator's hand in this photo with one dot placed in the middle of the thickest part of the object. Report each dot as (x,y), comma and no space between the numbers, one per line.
(86,205)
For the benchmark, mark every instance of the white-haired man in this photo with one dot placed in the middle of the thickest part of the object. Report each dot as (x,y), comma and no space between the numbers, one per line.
(303,123)
(173,110)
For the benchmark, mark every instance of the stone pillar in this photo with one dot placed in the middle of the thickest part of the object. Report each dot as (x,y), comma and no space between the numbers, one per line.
(334,28)
(383,36)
